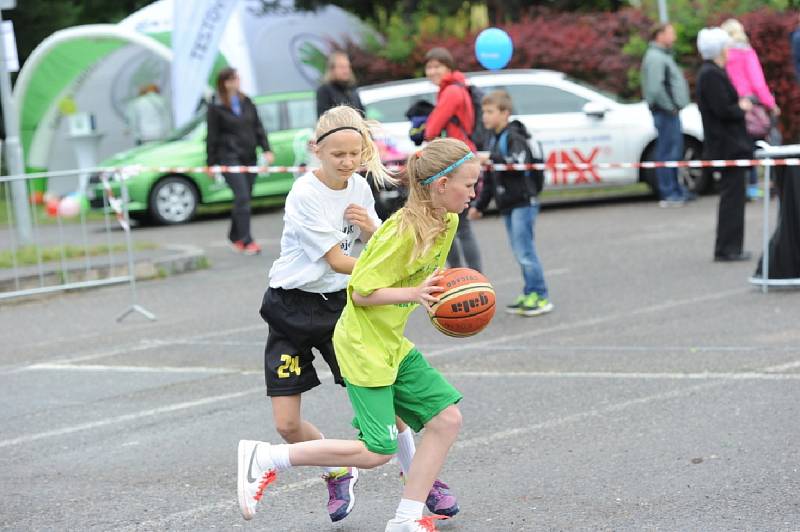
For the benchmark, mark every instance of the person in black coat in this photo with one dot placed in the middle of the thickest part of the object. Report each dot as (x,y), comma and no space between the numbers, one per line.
(234,132)
(726,137)
(339,85)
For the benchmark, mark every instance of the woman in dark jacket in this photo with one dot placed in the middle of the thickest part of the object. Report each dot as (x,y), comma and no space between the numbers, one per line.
(234,132)
(725,138)
(339,85)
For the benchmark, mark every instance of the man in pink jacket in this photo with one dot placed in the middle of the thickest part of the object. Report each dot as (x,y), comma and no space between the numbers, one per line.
(747,76)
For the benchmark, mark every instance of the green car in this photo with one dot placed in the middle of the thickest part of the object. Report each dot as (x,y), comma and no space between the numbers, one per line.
(172,196)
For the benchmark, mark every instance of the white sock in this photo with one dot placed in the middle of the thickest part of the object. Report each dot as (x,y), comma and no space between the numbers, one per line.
(408,509)
(278,454)
(405,450)
(332,470)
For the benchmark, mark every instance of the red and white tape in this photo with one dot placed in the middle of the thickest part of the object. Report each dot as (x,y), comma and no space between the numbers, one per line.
(794,161)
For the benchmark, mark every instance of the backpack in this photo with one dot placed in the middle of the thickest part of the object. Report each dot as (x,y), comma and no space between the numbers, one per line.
(480,136)
(534,179)
(419,111)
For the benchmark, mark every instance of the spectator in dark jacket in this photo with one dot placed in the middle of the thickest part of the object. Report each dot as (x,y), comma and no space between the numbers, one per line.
(725,138)
(515,194)
(234,133)
(339,85)
(453,113)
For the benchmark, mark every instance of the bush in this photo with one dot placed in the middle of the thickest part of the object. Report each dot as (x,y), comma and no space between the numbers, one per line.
(605,49)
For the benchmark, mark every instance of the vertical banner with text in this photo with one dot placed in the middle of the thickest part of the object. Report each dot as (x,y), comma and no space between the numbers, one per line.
(196,30)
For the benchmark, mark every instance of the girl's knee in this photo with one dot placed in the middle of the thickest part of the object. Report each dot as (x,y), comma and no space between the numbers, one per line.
(373,460)
(449,419)
(289,428)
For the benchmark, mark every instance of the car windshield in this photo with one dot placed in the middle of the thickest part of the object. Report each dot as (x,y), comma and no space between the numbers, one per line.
(184,132)
(586,85)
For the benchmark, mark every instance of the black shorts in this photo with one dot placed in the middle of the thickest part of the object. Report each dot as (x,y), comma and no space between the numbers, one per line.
(299,321)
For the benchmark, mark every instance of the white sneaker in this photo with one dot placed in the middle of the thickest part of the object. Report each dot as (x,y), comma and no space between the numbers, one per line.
(252,479)
(423,524)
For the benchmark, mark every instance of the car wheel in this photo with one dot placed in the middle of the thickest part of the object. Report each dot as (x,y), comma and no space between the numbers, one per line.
(173,200)
(696,180)
(693,179)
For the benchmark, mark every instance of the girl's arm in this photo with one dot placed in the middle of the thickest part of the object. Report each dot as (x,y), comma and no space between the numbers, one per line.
(422,294)
(338,261)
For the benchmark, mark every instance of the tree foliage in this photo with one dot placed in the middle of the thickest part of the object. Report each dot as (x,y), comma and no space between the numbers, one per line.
(35,20)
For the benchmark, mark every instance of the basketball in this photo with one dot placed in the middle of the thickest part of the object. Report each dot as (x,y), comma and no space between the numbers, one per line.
(466,306)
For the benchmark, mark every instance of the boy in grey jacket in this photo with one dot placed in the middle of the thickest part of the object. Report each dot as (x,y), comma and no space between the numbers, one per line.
(665,89)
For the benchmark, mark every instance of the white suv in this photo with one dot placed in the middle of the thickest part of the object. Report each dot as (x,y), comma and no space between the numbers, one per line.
(574,122)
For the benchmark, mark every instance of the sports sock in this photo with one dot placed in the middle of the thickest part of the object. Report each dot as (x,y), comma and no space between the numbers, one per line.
(279,454)
(336,471)
(408,509)
(405,449)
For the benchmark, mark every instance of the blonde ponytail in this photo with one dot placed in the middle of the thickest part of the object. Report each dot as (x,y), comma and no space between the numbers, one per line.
(419,214)
(345,117)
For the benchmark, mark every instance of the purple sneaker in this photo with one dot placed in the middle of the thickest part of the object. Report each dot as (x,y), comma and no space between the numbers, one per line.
(440,501)
(341,497)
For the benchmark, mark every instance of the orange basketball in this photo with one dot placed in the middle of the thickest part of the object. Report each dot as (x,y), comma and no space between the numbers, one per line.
(466,306)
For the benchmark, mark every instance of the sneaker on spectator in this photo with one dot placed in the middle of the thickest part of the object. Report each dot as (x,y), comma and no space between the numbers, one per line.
(341,497)
(535,305)
(514,308)
(672,203)
(238,246)
(252,249)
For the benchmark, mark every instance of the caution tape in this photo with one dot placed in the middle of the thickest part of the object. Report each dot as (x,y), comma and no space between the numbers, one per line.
(794,161)
(114,202)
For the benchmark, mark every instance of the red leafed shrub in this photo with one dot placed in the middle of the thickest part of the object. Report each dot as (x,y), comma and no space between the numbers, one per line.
(586,46)
(592,47)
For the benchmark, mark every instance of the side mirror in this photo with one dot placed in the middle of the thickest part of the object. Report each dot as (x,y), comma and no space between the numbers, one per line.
(595,110)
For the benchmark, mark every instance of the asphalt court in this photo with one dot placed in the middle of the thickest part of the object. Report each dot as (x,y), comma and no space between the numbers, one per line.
(661,394)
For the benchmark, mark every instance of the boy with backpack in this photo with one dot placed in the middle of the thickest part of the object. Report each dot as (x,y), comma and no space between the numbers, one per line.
(455,114)
(515,194)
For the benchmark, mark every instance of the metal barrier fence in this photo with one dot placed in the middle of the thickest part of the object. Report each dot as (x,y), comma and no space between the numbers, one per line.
(768,154)
(68,248)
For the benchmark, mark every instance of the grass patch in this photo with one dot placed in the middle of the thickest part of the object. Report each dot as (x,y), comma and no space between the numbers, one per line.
(595,192)
(29,255)
(42,218)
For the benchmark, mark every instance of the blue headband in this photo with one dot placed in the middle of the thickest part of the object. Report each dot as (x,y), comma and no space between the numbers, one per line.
(431,179)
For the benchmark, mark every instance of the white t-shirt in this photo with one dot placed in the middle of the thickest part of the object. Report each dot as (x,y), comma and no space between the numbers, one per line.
(313,222)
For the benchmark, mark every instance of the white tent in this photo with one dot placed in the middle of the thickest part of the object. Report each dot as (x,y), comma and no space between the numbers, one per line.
(99,68)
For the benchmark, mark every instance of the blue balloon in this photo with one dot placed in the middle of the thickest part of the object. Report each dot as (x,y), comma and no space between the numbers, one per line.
(493,48)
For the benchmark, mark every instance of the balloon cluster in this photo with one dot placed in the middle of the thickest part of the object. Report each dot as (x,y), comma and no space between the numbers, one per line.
(69,206)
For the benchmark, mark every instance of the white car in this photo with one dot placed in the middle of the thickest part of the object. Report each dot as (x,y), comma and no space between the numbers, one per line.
(574,122)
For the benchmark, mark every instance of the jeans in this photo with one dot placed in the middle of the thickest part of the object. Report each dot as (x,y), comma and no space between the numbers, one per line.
(242,186)
(669,147)
(519,226)
(464,243)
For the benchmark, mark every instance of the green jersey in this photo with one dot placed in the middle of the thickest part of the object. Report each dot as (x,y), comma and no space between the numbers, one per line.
(369,341)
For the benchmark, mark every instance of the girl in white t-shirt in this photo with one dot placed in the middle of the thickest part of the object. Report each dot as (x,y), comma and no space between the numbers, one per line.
(326,211)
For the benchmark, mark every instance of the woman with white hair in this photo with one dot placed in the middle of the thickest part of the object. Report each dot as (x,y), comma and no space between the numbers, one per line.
(726,137)
(745,72)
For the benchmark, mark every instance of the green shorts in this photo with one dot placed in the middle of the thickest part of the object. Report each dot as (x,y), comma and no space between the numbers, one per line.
(418,394)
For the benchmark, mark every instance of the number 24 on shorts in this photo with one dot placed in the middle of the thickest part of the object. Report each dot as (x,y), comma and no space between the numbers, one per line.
(291,364)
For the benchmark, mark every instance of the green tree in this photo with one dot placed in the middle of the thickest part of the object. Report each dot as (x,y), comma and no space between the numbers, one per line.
(35,20)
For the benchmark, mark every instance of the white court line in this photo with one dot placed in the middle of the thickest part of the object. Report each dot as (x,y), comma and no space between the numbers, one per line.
(535,332)
(150,344)
(585,323)
(629,375)
(128,417)
(481,441)
(141,369)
